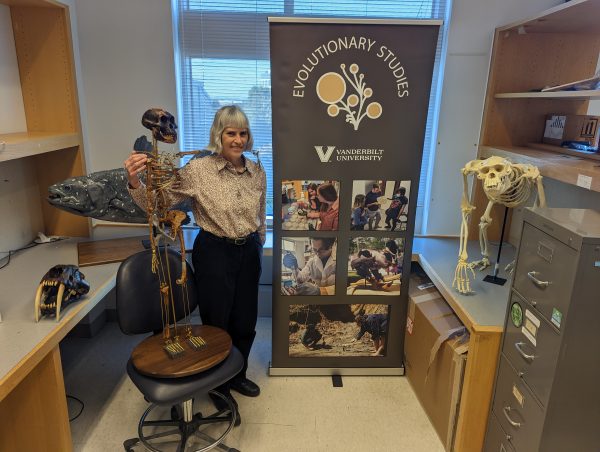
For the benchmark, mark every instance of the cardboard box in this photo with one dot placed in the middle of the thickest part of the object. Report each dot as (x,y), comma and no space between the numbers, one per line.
(434,357)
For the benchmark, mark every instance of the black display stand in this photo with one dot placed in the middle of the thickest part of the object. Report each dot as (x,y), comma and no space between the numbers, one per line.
(494,278)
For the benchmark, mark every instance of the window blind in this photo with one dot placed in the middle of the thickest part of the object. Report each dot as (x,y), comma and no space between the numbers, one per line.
(222,57)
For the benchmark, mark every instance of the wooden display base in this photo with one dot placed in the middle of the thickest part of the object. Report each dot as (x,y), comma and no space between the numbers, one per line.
(150,357)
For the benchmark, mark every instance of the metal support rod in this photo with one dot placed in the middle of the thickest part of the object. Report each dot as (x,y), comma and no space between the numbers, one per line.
(497,265)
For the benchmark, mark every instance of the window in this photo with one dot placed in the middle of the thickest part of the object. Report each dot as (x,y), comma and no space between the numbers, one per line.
(222,57)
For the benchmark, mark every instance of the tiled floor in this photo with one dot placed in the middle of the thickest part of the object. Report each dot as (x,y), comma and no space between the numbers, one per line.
(292,413)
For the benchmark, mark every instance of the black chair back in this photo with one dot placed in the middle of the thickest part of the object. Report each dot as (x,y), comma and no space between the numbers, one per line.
(138,295)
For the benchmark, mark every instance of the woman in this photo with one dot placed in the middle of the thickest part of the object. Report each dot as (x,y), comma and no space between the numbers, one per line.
(329,210)
(227,193)
(359,216)
(313,200)
(314,206)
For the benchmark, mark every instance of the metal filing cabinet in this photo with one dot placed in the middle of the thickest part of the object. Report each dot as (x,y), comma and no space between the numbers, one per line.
(547,392)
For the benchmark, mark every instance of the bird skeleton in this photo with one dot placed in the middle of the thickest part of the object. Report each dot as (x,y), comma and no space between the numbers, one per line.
(505,183)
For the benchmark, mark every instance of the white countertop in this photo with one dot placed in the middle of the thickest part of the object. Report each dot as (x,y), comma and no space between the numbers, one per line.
(486,307)
(21,338)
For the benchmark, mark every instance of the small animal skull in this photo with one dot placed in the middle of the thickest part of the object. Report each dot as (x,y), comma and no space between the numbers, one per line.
(60,286)
(161,123)
(495,173)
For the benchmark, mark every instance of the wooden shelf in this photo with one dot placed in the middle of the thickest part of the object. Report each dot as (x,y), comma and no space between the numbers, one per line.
(563,168)
(575,16)
(24,144)
(564,95)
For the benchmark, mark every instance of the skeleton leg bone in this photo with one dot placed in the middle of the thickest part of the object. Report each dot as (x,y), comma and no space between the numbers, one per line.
(461,274)
(484,224)
(183,278)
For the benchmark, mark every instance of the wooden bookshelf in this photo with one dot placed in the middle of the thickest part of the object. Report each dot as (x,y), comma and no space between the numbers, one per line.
(52,143)
(575,16)
(558,46)
(26,144)
(592,94)
(561,167)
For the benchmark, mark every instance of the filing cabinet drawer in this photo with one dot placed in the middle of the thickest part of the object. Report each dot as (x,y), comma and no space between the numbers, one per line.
(545,273)
(532,346)
(496,439)
(519,413)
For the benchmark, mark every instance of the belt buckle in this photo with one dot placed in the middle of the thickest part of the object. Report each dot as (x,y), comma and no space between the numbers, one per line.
(240,241)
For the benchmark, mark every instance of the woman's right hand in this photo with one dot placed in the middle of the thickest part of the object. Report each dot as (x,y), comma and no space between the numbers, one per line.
(135,164)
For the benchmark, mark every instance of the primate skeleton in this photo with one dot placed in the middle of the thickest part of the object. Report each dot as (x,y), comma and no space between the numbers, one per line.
(505,183)
(161,173)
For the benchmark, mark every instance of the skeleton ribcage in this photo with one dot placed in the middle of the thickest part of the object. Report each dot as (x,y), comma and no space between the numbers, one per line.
(518,191)
(162,173)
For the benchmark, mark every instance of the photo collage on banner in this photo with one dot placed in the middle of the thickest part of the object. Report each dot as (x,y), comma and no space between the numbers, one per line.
(375,266)
(349,110)
(380,205)
(338,330)
(309,263)
(309,205)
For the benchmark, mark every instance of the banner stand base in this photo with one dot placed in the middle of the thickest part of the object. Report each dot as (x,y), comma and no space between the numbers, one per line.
(329,371)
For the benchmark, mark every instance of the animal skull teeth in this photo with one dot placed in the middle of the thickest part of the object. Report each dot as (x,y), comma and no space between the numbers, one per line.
(60,286)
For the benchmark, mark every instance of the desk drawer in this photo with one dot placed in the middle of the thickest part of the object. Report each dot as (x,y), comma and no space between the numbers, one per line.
(516,408)
(532,346)
(545,272)
(496,439)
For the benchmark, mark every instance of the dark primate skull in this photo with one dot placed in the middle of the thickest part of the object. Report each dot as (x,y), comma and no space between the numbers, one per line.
(60,286)
(161,123)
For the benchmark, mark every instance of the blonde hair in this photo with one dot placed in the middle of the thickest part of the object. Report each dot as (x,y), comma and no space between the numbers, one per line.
(228,116)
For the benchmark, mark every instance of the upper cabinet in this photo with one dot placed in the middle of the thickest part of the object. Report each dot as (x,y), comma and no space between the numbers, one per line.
(558,46)
(52,143)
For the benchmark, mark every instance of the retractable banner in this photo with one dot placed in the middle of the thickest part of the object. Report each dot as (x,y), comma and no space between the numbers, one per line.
(350,100)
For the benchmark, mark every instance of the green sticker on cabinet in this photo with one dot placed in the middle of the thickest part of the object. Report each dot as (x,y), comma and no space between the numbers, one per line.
(556,317)
(516,314)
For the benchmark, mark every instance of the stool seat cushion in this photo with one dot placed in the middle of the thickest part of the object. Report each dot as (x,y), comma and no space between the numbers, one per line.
(169,391)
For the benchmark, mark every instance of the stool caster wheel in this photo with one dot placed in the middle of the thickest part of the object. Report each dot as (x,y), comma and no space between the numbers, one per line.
(130,443)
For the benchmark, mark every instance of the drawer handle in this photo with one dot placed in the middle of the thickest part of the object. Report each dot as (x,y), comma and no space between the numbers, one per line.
(525,356)
(506,410)
(532,276)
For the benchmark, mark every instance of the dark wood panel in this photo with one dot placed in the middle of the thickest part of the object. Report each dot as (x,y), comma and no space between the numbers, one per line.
(97,252)
(108,251)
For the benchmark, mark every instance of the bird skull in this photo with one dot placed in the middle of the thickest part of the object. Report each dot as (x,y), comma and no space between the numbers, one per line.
(161,123)
(494,173)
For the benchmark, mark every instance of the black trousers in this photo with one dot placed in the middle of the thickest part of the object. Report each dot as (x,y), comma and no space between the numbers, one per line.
(227,278)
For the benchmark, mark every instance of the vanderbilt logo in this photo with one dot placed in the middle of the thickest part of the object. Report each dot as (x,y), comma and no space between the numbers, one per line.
(332,89)
(324,152)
